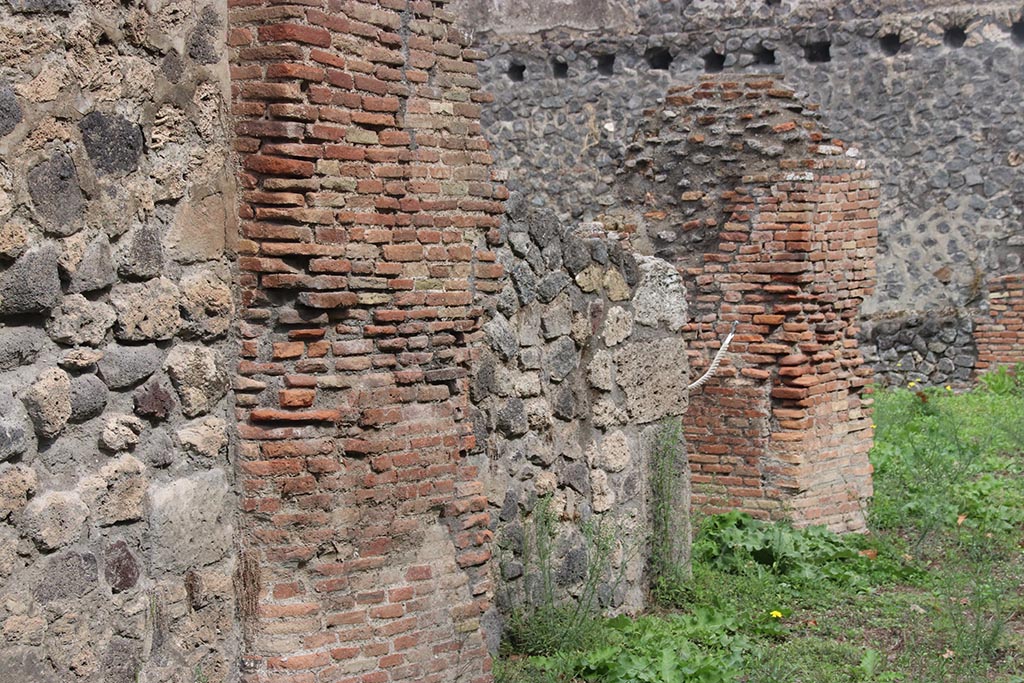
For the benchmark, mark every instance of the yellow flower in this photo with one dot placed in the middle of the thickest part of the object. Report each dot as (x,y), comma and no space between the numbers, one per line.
(874,426)
(949,388)
(775,614)
(912,385)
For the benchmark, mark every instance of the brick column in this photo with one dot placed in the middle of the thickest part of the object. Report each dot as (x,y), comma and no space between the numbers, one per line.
(783,227)
(366,190)
(999,331)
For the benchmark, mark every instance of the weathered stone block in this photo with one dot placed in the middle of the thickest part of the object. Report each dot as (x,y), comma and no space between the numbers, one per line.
(121,432)
(141,256)
(20,346)
(125,366)
(65,576)
(48,402)
(206,306)
(190,522)
(32,284)
(79,321)
(56,194)
(654,376)
(54,519)
(17,483)
(198,376)
(95,270)
(147,311)
(116,493)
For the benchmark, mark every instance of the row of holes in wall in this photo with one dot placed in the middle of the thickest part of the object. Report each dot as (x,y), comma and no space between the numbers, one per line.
(714,62)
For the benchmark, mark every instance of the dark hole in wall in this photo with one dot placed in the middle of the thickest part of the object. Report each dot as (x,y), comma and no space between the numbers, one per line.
(763,55)
(559,67)
(890,43)
(658,57)
(773,3)
(818,52)
(955,36)
(516,72)
(606,64)
(1017,31)
(714,62)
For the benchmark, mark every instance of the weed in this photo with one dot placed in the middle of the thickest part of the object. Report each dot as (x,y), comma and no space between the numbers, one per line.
(670,530)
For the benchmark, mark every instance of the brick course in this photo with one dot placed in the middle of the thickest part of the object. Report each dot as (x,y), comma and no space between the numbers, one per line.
(366,191)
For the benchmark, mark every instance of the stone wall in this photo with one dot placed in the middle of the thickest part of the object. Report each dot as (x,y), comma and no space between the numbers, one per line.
(924,87)
(583,362)
(366,201)
(116,484)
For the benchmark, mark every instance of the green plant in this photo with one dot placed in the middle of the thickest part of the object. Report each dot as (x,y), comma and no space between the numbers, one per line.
(668,561)
(542,621)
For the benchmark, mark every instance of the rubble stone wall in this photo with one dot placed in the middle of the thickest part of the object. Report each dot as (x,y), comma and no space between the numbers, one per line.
(117,493)
(924,88)
(583,362)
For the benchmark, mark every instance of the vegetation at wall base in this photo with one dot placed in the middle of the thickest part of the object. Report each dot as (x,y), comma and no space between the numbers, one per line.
(934,594)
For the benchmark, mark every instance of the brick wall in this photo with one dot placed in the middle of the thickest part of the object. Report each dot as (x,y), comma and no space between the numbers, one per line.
(366,190)
(999,331)
(776,227)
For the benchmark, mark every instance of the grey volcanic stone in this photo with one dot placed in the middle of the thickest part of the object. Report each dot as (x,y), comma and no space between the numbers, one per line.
(64,576)
(551,286)
(511,418)
(10,110)
(13,435)
(524,281)
(30,6)
(198,377)
(80,321)
(53,186)
(157,449)
(88,397)
(189,522)
(201,41)
(142,256)
(122,661)
(575,255)
(32,284)
(48,402)
(21,663)
(561,358)
(113,142)
(96,269)
(124,366)
(120,568)
(502,339)
(20,346)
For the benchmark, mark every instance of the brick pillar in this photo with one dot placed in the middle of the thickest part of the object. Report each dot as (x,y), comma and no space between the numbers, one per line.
(365,191)
(999,331)
(784,226)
